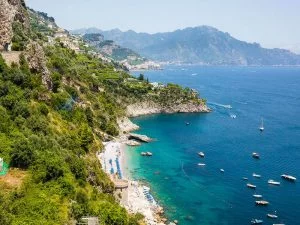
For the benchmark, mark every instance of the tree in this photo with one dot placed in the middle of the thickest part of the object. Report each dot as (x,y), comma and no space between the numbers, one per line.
(141,77)
(86,137)
(3,66)
(89,116)
(22,155)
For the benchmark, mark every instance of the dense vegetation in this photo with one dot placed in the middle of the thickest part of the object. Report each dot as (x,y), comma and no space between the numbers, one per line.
(52,136)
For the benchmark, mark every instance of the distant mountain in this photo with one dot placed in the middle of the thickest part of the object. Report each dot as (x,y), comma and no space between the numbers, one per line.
(111,49)
(124,56)
(198,45)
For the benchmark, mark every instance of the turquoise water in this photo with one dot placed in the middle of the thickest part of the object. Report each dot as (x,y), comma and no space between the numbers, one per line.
(195,195)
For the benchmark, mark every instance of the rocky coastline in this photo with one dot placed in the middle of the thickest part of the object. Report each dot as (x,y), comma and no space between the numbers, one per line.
(150,107)
(136,202)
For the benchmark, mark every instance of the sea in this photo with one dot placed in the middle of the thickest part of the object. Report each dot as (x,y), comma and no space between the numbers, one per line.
(240,97)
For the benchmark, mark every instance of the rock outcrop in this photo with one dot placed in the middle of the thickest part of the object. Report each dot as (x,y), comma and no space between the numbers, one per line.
(125,125)
(150,107)
(139,137)
(37,62)
(10,11)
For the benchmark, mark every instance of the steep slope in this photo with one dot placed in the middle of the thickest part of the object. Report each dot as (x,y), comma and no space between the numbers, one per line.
(58,104)
(202,45)
(124,56)
(12,15)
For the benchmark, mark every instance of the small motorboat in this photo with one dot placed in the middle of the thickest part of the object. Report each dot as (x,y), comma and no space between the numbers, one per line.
(187,123)
(251,186)
(263,203)
(272,216)
(256,175)
(201,164)
(233,116)
(255,155)
(245,178)
(273,182)
(222,170)
(256,221)
(143,153)
(257,196)
(201,154)
(149,154)
(262,128)
(288,177)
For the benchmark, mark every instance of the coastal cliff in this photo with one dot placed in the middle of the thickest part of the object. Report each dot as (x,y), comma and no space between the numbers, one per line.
(150,107)
(58,105)
(11,11)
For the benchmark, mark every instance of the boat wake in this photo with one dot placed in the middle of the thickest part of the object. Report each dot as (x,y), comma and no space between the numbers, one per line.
(220,105)
(233,116)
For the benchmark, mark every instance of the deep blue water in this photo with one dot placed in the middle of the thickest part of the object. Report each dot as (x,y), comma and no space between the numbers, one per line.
(195,195)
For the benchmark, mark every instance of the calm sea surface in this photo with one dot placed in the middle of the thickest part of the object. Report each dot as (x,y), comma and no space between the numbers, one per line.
(197,195)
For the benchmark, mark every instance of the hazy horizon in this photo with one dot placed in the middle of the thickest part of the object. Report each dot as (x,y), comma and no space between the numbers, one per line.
(272,23)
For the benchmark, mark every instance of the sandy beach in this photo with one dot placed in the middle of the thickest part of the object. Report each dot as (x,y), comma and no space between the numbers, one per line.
(135,197)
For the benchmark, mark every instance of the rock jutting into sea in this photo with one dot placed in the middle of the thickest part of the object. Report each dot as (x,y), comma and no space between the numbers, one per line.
(150,107)
(139,138)
(125,125)
(132,143)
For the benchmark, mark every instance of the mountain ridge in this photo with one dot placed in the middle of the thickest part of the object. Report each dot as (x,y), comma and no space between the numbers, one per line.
(125,56)
(198,45)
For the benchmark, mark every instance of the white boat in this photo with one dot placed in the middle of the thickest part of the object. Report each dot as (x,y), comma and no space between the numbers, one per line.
(261,128)
(257,196)
(288,177)
(149,154)
(233,116)
(201,164)
(201,154)
(273,216)
(273,182)
(255,155)
(251,186)
(264,203)
(256,221)
(222,170)
(256,175)
(245,178)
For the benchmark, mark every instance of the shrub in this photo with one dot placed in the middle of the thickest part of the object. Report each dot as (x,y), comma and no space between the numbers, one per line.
(22,155)
(43,109)
(77,167)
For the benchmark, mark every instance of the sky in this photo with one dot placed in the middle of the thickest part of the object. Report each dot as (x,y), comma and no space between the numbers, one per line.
(272,23)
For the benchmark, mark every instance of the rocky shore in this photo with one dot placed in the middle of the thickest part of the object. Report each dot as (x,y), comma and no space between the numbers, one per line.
(135,200)
(150,107)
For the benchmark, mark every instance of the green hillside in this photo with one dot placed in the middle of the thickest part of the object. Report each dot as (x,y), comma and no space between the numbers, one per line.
(57,106)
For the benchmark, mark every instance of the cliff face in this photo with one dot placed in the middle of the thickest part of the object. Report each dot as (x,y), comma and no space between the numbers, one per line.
(150,107)
(10,11)
(37,62)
